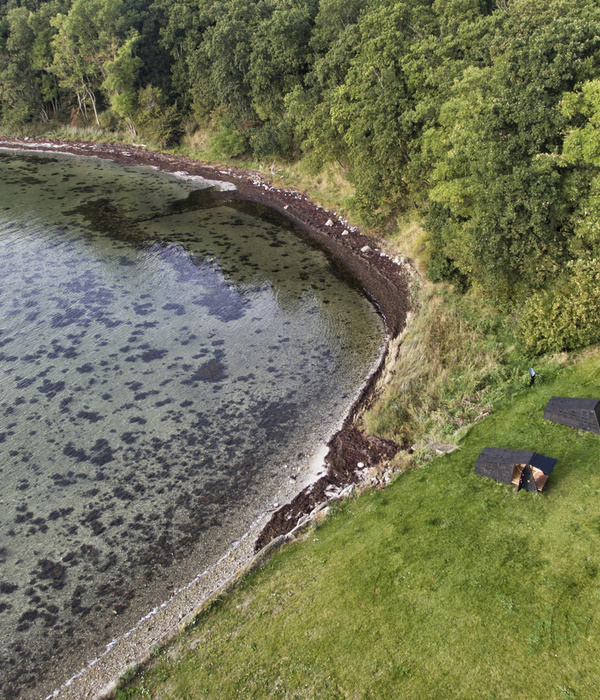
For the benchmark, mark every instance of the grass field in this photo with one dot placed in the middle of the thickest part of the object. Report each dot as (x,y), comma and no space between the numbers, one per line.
(443,585)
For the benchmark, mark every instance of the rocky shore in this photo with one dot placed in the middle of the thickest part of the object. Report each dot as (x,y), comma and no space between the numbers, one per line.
(352,455)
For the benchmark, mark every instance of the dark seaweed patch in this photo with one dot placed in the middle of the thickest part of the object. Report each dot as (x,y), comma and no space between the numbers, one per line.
(71,316)
(75,453)
(104,217)
(143,309)
(77,608)
(108,323)
(153,354)
(143,395)
(91,416)
(224,302)
(122,494)
(179,309)
(165,402)
(23,517)
(212,371)
(92,520)
(61,513)
(52,571)
(101,452)
(24,383)
(63,479)
(50,389)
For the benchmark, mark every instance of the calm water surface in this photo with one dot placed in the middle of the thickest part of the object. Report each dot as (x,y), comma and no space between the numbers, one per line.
(162,355)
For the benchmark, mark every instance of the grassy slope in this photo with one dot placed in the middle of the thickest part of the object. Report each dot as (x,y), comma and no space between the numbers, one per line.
(445,584)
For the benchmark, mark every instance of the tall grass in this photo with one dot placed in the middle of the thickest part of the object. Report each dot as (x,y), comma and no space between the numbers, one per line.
(456,361)
(449,361)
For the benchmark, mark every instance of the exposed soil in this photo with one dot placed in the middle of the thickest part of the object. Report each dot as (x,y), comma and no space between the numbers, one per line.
(384,281)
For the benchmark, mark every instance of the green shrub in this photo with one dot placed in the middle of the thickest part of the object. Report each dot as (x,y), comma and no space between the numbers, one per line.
(156,120)
(566,316)
(228,143)
(273,140)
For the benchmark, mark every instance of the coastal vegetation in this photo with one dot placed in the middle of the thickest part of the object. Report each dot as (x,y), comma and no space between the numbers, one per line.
(464,135)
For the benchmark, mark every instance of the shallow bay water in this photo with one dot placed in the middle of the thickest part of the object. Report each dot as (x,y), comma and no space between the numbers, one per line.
(163,355)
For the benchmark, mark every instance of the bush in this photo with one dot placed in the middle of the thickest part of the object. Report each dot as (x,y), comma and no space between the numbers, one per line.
(566,316)
(157,120)
(228,143)
(273,140)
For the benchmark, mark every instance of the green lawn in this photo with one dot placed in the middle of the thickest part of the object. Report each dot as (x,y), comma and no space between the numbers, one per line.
(443,585)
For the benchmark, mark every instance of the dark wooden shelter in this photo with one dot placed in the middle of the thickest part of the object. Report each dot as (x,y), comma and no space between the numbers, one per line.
(583,414)
(523,468)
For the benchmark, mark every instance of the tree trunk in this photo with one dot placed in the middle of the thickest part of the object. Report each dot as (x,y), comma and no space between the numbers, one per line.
(92,97)
(130,127)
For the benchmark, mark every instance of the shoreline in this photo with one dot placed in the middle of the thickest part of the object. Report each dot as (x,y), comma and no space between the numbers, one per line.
(350,453)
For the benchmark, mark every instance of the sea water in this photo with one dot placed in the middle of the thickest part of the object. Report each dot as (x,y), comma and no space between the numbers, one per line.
(163,354)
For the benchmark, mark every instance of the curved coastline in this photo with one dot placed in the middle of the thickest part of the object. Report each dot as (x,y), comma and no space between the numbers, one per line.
(386,284)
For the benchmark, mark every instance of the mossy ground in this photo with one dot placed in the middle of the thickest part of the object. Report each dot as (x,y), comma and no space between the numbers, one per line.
(443,585)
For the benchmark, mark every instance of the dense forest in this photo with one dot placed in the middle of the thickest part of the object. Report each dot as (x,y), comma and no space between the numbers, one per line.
(481,115)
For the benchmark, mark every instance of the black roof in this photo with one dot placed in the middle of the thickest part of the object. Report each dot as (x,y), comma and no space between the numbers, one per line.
(545,464)
(582,414)
(502,465)
(574,404)
(498,455)
(502,456)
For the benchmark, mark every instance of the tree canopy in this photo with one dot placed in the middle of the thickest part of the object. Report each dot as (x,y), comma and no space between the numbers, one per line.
(484,115)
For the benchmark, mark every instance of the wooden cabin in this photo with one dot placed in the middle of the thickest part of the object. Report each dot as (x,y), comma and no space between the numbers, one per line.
(523,468)
(583,414)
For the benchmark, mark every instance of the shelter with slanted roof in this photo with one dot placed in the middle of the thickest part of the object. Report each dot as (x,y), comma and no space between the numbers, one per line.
(523,468)
(583,414)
